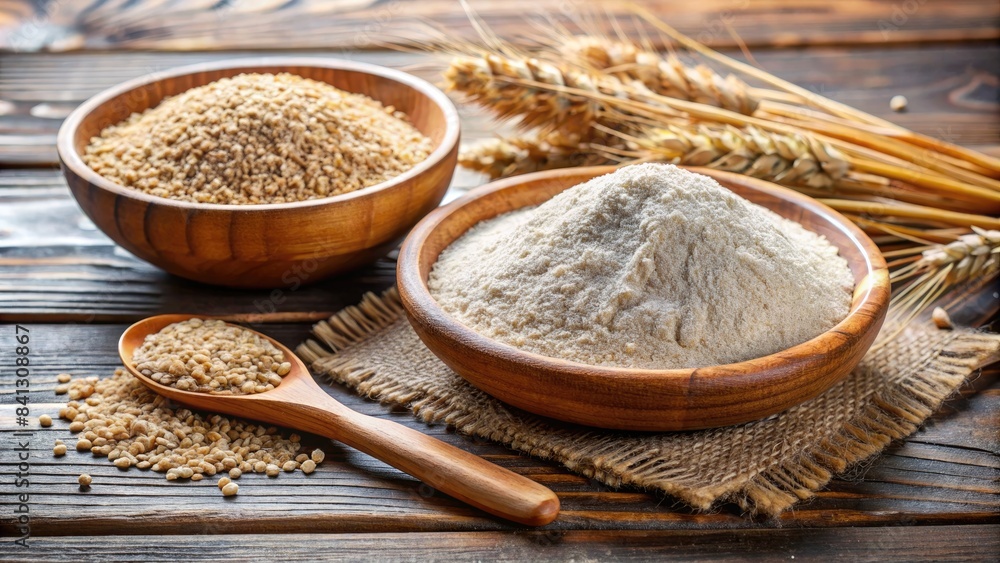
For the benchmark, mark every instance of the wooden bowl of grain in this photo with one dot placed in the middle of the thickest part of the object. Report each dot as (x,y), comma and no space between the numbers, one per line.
(273,244)
(643,399)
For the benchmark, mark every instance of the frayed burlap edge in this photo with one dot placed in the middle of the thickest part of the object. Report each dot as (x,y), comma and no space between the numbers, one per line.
(893,414)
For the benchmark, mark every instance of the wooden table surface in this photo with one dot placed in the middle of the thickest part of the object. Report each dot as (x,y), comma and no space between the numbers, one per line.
(934,496)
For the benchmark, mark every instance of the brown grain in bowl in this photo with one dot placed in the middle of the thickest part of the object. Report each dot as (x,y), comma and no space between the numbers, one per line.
(258,138)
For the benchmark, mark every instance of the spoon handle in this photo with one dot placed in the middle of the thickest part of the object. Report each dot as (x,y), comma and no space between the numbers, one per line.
(448,469)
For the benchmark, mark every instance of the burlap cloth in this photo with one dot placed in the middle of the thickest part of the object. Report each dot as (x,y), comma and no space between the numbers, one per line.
(765,466)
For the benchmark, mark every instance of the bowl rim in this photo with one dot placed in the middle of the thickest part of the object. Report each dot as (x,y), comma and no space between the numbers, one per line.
(71,158)
(874,285)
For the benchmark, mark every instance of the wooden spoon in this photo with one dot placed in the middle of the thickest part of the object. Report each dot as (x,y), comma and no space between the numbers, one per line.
(299,403)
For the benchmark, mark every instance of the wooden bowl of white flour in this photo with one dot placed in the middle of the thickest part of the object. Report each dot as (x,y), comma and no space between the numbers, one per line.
(654,299)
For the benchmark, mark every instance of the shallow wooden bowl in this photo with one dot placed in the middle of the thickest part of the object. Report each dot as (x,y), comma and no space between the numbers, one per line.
(269,245)
(642,399)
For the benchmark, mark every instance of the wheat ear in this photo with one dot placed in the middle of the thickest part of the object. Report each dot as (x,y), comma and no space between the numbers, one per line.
(499,83)
(971,255)
(983,163)
(796,160)
(666,76)
(653,107)
(499,158)
(940,268)
(570,104)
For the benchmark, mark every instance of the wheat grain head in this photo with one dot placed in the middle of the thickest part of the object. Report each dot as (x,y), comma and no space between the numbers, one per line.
(503,85)
(666,76)
(500,158)
(797,160)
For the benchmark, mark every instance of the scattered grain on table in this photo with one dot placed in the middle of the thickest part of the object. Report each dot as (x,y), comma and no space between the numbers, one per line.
(134,427)
(898,103)
(941,318)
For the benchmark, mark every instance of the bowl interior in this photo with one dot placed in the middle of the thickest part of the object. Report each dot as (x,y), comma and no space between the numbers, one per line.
(643,399)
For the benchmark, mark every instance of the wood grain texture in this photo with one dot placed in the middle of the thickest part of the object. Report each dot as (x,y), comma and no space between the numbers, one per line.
(945,474)
(912,544)
(642,399)
(200,25)
(300,404)
(264,246)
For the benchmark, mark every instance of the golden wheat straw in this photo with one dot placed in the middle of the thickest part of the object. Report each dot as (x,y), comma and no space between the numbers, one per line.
(663,108)
(497,83)
(887,210)
(569,102)
(964,258)
(940,268)
(859,186)
(500,158)
(909,153)
(923,238)
(666,76)
(812,99)
(786,159)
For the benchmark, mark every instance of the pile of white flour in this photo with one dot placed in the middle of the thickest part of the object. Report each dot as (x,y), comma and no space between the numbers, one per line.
(652,267)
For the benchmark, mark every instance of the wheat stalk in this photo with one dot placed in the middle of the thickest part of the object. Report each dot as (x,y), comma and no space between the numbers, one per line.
(796,160)
(800,161)
(960,260)
(901,153)
(979,162)
(940,268)
(499,84)
(500,158)
(548,97)
(666,76)
(908,213)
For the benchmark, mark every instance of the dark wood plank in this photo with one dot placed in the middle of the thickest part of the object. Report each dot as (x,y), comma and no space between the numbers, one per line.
(945,474)
(914,544)
(194,24)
